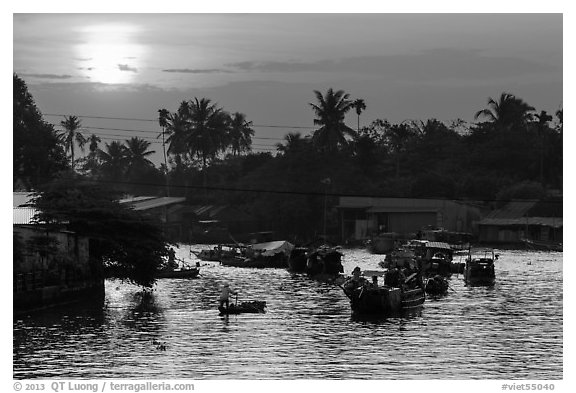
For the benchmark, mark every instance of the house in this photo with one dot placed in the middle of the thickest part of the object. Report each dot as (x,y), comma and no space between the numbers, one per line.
(49,267)
(524,220)
(363,217)
(219,223)
(194,223)
(162,208)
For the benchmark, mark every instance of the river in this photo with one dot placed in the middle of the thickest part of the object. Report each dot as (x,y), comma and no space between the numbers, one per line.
(510,331)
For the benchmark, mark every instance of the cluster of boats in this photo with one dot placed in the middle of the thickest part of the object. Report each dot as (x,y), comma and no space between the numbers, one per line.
(410,272)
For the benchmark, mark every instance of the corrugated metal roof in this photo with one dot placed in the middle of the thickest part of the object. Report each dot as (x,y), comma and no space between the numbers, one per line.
(438,245)
(21,198)
(156,202)
(401,209)
(553,222)
(23,215)
(514,209)
(136,199)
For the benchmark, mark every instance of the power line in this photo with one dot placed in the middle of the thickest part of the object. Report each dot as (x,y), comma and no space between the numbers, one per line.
(155,120)
(149,131)
(307,193)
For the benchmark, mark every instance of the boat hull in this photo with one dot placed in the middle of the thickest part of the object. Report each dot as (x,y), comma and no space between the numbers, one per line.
(186,273)
(385,301)
(478,274)
(278,261)
(254,307)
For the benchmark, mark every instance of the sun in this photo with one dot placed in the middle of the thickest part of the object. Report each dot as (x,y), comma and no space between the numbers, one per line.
(110,53)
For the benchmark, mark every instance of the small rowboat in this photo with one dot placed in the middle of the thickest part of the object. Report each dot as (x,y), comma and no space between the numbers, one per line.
(254,307)
(180,273)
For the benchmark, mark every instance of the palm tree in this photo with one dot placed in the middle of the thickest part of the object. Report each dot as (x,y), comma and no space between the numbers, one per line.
(113,160)
(93,141)
(197,129)
(330,112)
(360,106)
(163,120)
(542,122)
(72,135)
(240,133)
(136,157)
(293,143)
(137,152)
(91,163)
(507,112)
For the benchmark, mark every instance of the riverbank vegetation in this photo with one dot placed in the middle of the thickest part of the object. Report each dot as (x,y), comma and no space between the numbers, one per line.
(512,151)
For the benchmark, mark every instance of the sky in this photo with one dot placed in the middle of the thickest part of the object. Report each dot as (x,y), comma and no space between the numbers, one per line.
(268,65)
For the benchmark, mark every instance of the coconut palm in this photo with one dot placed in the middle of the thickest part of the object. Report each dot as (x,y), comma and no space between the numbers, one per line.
(293,142)
(196,129)
(91,162)
(93,141)
(137,152)
(360,106)
(240,133)
(71,135)
(136,156)
(330,113)
(507,112)
(113,160)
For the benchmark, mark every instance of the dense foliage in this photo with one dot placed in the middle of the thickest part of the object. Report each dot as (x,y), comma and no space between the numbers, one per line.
(130,245)
(513,151)
(38,154)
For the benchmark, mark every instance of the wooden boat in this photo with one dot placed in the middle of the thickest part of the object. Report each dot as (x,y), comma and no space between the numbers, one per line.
(253,307)
(297,260)
(436,285)
(479,269)
(542,246)
(370,298)
(324,263)
(219,252)
(262,255)
(179,273)
(382,243)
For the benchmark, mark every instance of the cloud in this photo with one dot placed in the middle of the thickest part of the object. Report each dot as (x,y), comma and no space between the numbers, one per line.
(427,65)
(47,76)
(126,67)
(197,71)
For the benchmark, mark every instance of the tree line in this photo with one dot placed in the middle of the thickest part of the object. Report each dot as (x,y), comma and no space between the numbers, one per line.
(512,151)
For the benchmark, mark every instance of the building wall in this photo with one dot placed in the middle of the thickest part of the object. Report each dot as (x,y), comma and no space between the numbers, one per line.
(406,215)
(515,233)
(46,276)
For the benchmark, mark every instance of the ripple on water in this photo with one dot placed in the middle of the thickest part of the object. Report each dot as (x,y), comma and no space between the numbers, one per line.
(510,331)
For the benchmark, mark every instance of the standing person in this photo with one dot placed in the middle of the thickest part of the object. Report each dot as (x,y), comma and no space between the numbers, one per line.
(172,259)
(225,295)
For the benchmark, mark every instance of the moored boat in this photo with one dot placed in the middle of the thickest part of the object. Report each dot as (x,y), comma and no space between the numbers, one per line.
(218,252)
(324,263)
(542,246)
(397,295)
(262,255)
(436,285)
(479,268)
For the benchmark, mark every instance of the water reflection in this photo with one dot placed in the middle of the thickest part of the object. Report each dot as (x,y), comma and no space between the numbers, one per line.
(307,332)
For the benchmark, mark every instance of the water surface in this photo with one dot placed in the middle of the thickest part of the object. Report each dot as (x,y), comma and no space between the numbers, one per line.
(510,331)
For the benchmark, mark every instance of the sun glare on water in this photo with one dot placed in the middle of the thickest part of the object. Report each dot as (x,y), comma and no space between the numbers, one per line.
(110,53)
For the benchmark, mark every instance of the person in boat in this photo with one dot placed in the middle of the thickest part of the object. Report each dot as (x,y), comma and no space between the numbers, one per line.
(356,280)
(225,295)
(172,264)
